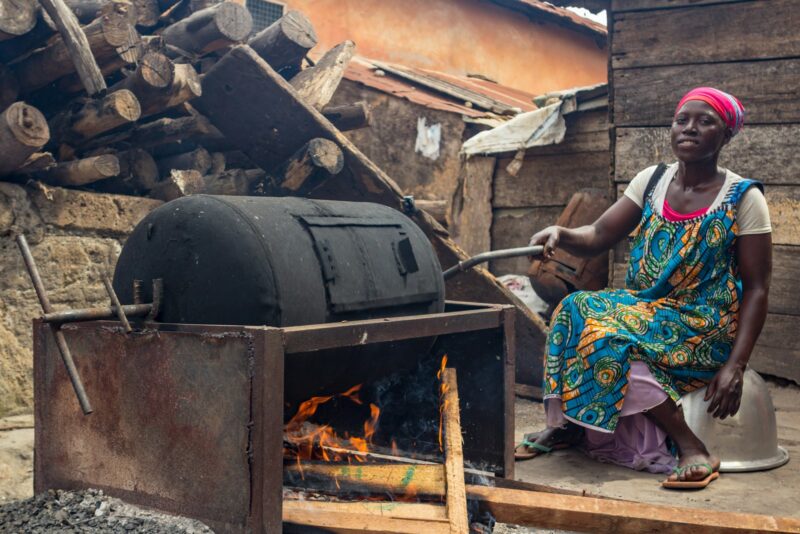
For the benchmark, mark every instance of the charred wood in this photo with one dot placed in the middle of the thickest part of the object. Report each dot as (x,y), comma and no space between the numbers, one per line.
(285,42)
(109,37)
(17,17)
(238,182)
(348,117)
(317,84)
(38,161)
(208,29)
(81,171)
(23,131)
(89,118)
(238,159)
(9,88)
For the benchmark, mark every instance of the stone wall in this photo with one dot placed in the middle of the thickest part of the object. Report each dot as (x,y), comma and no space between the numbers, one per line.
(75,238)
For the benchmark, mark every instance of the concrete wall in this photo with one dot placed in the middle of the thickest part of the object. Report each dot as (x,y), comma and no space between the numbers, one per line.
(75,238)
(461,37)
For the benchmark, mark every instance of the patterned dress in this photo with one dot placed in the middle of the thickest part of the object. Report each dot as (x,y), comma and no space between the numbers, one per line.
(678,315)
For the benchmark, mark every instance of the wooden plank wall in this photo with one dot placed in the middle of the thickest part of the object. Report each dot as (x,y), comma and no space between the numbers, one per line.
(535,197)
(750,48)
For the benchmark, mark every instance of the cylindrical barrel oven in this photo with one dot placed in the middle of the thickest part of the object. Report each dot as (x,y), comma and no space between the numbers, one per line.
(280,262)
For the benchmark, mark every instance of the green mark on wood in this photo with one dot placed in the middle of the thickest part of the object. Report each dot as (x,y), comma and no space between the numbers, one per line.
(409,476)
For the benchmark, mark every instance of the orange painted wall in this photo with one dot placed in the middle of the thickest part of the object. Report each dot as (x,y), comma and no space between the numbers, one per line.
(460,37)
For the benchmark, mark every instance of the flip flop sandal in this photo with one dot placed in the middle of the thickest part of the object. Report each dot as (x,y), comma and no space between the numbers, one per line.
(691,484)
(540,449)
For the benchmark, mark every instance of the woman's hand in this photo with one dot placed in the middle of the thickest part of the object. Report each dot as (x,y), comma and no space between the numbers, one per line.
(549,237)
(725,391)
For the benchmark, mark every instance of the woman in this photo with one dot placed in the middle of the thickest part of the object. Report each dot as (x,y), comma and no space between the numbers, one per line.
(617,361)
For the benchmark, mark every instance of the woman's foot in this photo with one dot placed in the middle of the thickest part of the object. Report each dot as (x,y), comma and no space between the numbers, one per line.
(548,440)
(696,469)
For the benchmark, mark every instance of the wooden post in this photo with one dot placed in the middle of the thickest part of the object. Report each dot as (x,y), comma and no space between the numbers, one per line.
(81,171)
(109,36)
(197,160)
(285,42)
(23,131)
(77,45)
(93,117)
(209,29)
(9,88)
(308,167)
(317,84)
(17,17)
(349,116)
(453,454)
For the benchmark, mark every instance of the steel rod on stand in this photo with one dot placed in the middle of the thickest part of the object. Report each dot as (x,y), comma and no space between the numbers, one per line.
(120,310)
(61,341)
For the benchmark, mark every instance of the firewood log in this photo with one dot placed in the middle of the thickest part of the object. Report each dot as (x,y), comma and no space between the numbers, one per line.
(198,160)
(138,173)
(166,130)
(285,42)
(9,88)
(81,171)
(237,182)
(348,117)
(37,161)
(17,17)
(317,84)
(316,161)
(185,86)
(178,184)
(23,131)
(109,36)
(207,30)
(12,50)
(88,118)
(159,84)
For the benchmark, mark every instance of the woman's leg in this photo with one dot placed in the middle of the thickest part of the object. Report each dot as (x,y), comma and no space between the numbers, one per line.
(691,450)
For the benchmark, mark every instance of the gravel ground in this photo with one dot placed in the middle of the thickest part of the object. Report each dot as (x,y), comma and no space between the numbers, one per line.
(68,512)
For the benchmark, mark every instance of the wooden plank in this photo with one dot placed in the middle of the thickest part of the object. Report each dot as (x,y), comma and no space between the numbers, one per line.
(456,495)
(784,294)
(586,514)
(396,479)
(620,6)
(549,180)
(513,228)
(361,517)
(648,96)
(471,212)
(765,30)
(778,349)
(767,153)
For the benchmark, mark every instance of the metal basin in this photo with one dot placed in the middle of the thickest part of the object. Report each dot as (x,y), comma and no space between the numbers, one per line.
(748,441)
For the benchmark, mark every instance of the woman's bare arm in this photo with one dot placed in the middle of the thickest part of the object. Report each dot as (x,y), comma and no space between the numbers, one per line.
(754,255)
(613,225)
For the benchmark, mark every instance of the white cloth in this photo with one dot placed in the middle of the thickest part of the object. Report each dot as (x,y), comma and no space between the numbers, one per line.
(753,213)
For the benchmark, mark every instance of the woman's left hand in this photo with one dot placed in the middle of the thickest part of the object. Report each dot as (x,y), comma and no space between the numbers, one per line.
(725,391)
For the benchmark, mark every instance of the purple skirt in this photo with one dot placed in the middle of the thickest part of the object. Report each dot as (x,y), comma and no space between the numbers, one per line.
(637,442)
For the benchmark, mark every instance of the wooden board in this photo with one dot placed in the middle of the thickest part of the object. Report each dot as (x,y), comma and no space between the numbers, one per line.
(397,479)
(693,35)
(586,514)
(362,517)
(549,180)
(777,351)
(471,211)
(620,6)
(767,153)
(456,496)
(513,228)
(768,90)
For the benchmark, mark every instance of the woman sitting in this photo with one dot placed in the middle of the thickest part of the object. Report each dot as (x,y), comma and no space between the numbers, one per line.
(617,361)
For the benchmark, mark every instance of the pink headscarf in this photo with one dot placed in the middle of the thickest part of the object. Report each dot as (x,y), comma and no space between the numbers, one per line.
(727,106)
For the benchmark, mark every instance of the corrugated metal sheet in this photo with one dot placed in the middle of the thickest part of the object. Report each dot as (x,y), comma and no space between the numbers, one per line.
(556,14)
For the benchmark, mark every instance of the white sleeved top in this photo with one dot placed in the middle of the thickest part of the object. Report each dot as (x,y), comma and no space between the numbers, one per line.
(753,213)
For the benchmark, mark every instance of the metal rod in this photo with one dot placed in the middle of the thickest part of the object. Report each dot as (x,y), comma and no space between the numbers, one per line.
(117,305)
(61,341)
(96,314)
(137,292)
(493,255)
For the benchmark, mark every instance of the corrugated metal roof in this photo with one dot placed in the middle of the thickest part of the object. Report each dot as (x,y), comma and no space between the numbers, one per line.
(558,15)
(470,97)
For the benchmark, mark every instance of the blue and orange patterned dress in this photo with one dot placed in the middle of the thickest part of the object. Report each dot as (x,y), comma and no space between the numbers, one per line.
(678,315)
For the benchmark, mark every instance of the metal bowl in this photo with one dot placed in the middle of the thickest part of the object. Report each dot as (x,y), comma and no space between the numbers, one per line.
(748,441)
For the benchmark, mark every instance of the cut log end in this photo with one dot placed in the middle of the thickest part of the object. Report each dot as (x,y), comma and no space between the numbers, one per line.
(326,155)
(17,17)
(27,125)
(124,104)
(298,29)
(233,21)
(156,70)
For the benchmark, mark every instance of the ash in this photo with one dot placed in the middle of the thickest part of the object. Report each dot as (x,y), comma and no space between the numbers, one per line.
(62,512)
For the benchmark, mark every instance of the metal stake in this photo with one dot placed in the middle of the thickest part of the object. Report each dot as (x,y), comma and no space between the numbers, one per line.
(116,304)
(61,341)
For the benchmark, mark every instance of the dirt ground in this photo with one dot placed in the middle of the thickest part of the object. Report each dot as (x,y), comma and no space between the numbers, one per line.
(768,492)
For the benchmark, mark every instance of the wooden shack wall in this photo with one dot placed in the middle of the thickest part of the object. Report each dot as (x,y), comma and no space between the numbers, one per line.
(662,48)
(550,175)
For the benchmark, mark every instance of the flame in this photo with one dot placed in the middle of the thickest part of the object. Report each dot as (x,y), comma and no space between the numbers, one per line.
(305,441)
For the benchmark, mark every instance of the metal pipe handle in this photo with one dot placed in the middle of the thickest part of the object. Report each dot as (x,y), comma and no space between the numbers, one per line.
(492,255)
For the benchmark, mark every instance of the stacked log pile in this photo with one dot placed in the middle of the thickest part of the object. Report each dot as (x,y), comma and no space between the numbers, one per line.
(99,94)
